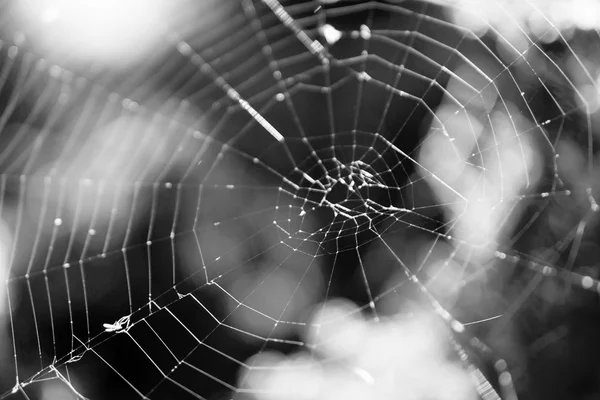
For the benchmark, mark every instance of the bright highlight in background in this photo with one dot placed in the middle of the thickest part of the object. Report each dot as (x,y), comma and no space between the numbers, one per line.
(5,247)
(357,359)
(113,32)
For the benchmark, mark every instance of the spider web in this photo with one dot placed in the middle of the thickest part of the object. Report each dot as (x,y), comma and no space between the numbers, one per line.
(180,227)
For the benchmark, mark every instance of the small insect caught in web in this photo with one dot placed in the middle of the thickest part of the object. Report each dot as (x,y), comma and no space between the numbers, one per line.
(121,325)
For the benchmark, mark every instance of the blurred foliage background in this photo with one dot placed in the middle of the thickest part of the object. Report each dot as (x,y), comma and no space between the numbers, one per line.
(113,145)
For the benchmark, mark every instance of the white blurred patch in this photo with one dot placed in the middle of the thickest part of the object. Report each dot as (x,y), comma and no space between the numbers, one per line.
(112,32)
(60,388)
(446,278)
(5,245)
(121,149)
(590,97)
(467,78)
(54,390)
(478,166)
(338,329)
(534,16)
(402,359)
